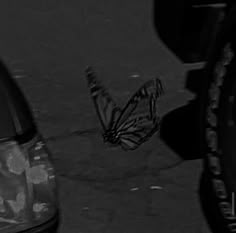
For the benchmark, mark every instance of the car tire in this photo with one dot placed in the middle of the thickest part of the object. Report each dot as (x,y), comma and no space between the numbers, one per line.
(218,123)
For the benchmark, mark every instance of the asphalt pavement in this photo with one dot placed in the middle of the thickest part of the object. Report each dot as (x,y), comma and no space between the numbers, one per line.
(47,45)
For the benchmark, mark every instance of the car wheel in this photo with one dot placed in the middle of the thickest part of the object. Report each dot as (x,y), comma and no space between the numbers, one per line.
(219,128)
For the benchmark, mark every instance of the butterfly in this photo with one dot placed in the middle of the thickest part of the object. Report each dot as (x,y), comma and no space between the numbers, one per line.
(136,122)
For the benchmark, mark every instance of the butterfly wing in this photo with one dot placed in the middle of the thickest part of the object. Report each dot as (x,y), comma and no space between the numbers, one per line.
(139,119)
(106,108)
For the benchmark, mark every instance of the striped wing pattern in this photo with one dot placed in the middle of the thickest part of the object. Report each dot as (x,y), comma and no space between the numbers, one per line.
(137,121)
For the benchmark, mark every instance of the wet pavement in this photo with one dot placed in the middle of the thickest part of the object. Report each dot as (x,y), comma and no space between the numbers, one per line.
(47,46)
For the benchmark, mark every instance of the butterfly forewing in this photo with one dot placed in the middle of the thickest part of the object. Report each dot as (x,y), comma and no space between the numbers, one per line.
(105,107)
(139,119)
(142,104)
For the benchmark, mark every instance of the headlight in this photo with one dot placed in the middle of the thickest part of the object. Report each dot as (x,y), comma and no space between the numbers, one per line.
(28,194)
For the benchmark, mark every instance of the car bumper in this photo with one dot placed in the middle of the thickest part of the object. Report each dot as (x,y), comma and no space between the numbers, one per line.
(51,226)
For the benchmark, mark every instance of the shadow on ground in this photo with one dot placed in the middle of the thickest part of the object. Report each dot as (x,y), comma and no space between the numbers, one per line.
(181,131)
(181,127)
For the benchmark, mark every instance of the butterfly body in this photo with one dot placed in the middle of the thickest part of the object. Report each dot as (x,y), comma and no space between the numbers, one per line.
(112,136)
(136,122)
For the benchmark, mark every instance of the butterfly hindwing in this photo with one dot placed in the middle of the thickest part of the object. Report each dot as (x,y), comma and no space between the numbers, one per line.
(130,141)
(105,107)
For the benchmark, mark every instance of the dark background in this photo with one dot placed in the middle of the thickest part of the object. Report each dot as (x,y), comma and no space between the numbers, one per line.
(47,44)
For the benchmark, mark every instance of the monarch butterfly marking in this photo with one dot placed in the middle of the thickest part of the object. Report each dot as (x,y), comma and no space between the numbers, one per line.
(136,122)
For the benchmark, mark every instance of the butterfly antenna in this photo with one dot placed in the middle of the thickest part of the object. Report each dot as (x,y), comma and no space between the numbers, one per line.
(160,89)
(89,69)
(90,73)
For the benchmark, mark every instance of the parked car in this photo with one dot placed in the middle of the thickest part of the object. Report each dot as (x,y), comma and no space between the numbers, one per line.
(204,32)
(28,191)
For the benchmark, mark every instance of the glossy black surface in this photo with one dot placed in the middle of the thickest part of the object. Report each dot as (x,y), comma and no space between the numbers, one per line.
(188,30)
(15,115)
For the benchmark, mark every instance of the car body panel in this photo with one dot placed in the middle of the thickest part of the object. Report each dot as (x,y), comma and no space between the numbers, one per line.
(17,125)
(15,117)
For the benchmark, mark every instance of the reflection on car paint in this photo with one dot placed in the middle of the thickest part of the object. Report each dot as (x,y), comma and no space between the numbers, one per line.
(228,55)
(16,162)
(38,207)
(211,117)
(220,72)
(27,185)
(18,204)
(215,167)
(211,137)
(37,174)
(226,207)
(220,188)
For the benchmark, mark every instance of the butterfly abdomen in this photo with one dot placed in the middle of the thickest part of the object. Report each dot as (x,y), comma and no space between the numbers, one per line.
(111,136)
